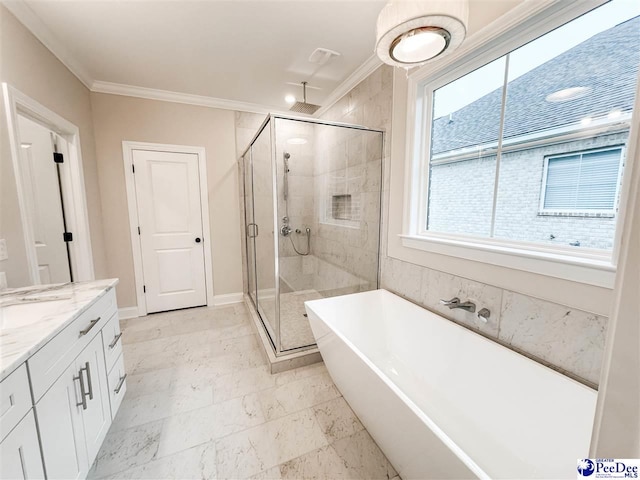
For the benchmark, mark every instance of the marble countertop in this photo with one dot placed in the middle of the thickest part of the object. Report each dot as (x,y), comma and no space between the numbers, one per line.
(31,316)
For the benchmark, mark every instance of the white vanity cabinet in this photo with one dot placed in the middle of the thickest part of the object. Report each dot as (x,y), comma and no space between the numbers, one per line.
(61,428)
(19,447)
(20,452)
(54,419)
(74,415)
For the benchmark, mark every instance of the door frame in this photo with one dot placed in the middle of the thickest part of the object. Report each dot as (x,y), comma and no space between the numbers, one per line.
(132,204)
(72,178)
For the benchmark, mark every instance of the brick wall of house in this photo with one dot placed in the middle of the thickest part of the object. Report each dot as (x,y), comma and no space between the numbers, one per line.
(462,195)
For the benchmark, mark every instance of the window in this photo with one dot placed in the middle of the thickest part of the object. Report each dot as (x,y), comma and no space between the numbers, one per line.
(582,183)
(529,146)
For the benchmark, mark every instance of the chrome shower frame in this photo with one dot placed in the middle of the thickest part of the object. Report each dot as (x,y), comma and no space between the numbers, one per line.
(270,122)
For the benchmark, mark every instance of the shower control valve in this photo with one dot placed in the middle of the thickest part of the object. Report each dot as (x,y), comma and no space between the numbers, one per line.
(285,230)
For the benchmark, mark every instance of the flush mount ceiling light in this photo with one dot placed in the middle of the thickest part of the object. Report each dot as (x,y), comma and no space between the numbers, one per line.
(297,141)
(567,94)
(290,99)
(412,32)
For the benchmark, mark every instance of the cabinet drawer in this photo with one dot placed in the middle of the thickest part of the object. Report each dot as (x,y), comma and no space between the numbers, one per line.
(48,363)
(15,400)
(117,385)
(112,341)
(20,452)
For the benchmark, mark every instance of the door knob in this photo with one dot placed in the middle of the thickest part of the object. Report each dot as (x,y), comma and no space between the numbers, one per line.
(198,240)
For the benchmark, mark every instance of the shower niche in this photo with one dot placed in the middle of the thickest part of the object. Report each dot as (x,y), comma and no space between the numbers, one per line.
(312,196)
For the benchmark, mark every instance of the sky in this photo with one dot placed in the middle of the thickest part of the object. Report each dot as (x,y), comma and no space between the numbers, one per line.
(478,83)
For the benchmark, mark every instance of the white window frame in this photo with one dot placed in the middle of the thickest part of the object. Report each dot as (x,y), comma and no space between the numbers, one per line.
(589,266)
(577,212)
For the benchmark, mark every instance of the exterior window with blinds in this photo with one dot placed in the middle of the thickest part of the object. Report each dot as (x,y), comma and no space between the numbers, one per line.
(583,183)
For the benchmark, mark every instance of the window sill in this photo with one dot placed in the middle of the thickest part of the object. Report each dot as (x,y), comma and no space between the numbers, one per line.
(593,269)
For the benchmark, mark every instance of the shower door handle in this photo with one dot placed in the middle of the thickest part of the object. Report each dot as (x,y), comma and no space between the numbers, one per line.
(255,230)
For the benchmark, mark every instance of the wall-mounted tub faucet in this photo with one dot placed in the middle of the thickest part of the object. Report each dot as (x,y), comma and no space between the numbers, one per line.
(456,303)
(484,314)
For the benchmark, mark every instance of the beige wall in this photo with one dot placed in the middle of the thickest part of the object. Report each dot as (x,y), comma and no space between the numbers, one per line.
(31,68)
(118,118)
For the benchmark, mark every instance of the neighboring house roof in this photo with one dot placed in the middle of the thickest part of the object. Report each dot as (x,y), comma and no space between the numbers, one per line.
(607,62)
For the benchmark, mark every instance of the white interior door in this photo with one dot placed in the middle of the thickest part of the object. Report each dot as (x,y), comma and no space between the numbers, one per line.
(42,191)
(170,217)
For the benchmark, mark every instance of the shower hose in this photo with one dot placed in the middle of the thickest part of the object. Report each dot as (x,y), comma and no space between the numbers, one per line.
(308,230)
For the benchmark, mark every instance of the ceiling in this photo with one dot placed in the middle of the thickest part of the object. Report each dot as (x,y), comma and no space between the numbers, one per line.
(242,51)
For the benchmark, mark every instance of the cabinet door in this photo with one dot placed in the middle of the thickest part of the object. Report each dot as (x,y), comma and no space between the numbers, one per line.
(20,452)
(61,430)
(96,418)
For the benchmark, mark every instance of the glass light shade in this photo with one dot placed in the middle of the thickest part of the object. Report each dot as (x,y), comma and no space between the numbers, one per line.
(419,45)
(413,32)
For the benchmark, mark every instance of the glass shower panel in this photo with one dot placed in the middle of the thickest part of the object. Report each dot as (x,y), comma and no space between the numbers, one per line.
(328,199)
(263,214)
(250,226)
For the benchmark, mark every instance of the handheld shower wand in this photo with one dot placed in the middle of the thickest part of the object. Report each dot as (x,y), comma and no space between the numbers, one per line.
(285,186)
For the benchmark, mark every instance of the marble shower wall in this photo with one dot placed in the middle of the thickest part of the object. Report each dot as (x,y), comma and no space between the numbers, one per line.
(299,206)
(347,177)
(563,338)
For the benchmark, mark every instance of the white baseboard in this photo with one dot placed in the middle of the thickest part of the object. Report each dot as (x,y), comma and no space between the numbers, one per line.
(128,312)
(228,298)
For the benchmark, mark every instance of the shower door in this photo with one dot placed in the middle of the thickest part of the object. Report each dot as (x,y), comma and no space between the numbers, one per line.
(261,232)
(312,216)
(250,226)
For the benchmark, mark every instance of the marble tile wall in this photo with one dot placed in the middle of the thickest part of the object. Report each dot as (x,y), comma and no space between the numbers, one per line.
(565,339)
(300,205)
(348,165)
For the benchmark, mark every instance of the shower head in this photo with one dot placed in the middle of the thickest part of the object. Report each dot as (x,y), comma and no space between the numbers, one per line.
(303,106)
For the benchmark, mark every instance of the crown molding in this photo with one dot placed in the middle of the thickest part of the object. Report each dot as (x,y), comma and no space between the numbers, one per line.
(37,27)
(32,22)
(362,72)
(177,97)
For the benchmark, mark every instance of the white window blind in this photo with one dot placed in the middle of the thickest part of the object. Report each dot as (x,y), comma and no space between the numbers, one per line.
(584,182)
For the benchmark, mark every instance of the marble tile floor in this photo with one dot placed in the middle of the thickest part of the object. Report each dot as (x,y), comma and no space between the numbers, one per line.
(200,404)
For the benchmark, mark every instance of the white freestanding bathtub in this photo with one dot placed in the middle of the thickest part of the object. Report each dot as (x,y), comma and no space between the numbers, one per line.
(444,402)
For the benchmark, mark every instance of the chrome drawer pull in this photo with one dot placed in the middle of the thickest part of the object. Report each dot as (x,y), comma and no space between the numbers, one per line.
(115,340)
(83,393)
(92,324)
(120,384)
(87,367)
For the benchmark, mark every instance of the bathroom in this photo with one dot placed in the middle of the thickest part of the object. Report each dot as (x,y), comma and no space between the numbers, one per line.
(309,256)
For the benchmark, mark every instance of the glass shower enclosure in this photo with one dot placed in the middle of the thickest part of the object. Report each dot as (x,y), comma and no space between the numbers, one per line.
(312,203)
